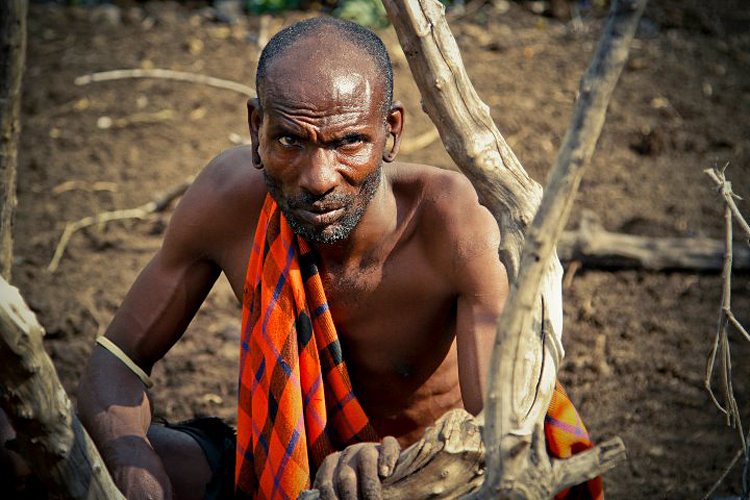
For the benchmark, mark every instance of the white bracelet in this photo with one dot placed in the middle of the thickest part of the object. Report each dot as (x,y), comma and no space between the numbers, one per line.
(112,347)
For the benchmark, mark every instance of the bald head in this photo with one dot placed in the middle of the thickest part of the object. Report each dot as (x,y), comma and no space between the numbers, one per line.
(330,46)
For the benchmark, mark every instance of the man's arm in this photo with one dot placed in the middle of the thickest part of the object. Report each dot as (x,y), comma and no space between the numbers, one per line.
(469,254)
(112,400)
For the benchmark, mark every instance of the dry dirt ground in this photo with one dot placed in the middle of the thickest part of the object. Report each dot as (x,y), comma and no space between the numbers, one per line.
(636,341)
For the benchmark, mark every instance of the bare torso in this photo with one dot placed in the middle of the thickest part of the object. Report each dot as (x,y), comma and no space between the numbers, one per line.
(395,310)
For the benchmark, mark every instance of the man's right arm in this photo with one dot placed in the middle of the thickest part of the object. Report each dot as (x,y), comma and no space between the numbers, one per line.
(112,401)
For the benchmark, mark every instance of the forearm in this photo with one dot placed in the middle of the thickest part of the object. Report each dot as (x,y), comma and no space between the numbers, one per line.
(114,408)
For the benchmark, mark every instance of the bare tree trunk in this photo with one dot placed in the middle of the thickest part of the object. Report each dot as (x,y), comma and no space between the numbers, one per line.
(50,436)
(12,59)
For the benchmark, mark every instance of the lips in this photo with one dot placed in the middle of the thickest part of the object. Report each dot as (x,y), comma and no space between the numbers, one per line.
(321,216)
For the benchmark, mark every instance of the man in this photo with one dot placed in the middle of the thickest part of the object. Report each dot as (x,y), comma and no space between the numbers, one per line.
(406,265)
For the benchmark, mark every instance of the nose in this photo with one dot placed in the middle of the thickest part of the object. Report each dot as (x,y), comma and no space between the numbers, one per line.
(319,176)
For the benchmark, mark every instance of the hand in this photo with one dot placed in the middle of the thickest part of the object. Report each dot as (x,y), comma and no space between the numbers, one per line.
(136,469)
(357,471)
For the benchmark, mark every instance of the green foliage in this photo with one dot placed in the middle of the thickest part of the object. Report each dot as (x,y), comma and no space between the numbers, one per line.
(264,6)
(370,13)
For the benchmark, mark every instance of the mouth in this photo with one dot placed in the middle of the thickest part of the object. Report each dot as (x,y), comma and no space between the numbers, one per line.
(321,216)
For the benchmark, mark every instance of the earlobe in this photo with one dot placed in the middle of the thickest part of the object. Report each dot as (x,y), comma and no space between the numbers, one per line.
(395,124)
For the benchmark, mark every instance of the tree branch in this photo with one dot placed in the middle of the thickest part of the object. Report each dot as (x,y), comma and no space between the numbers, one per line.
(165,74)
(50,436)
(152,207)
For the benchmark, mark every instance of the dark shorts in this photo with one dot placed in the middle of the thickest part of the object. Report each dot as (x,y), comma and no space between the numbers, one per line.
(218,441)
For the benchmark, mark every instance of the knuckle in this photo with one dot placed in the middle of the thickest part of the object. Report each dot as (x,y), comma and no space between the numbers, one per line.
(346,476)
(326,491)
(369,453)
(346,483)
(370,487)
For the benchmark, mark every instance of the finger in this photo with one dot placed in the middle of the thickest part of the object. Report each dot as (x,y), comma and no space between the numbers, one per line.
(324,477)
(389,452)
(367,470)
(345,482)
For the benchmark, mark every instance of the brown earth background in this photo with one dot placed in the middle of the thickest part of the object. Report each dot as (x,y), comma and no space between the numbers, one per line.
(636,341)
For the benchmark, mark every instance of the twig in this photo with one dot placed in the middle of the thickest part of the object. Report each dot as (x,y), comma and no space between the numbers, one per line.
(166,74)
(141,212)
(725,188)
(84,186)
(723,475)
(720,346)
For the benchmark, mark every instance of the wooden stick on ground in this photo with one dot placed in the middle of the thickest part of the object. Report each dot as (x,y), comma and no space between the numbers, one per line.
(53,441)
(593,246)
(166,74)
(141,212)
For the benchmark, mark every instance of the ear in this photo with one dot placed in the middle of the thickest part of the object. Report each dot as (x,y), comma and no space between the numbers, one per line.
(254,121)
(394,126)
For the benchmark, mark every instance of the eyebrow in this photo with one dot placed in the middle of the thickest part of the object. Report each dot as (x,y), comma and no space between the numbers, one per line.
(282,130)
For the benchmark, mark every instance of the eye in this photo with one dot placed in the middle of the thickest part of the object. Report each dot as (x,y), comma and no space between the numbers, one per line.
(351,141)
(288,140)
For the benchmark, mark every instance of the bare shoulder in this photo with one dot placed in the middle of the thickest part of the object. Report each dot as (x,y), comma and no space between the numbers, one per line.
(226,192)
(449,207)
(457,232)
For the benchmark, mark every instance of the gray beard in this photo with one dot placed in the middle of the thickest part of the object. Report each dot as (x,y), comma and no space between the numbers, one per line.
(355,207)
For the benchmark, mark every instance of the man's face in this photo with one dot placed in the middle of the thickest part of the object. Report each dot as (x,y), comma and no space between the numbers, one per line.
(321,140)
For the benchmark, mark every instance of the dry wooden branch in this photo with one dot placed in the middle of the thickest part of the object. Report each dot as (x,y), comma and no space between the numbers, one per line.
(51,439)
(84,186)
(723,476)
(518,464)
(13,48)
(165,74)
(594,246)
(141,212)
(505,431)
(480,151)
(720,347)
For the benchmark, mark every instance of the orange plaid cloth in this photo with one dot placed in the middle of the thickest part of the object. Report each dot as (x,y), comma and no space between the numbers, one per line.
(566,436)
(296,404)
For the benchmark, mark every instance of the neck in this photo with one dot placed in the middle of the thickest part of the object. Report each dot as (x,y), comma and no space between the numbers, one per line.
(378,221)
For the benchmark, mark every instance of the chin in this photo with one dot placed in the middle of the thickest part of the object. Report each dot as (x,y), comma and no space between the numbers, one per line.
(332,233)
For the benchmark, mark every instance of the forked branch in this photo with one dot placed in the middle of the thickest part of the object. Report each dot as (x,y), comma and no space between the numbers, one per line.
(505,428)
(720,348)
(518,465)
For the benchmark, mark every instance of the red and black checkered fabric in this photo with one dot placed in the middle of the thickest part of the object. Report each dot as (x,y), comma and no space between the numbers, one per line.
(296,403)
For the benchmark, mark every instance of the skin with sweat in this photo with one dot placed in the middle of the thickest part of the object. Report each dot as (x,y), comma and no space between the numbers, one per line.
(408,259)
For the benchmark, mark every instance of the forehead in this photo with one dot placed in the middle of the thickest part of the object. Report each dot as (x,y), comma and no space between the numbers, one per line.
(324,74)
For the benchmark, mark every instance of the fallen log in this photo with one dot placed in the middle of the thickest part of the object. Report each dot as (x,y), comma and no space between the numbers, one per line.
(49,435)
(594,246)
